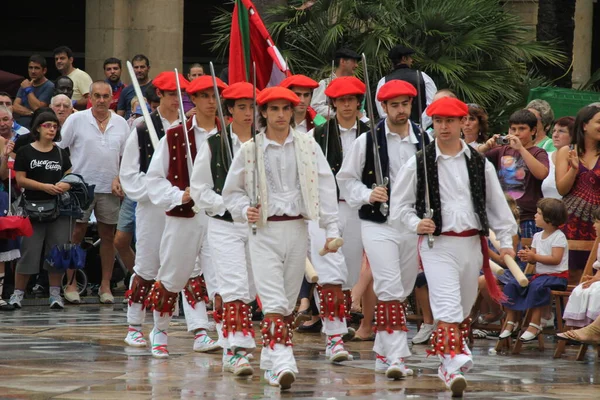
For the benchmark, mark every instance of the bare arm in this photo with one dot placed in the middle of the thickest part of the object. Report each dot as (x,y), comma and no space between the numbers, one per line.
(82,102)
(20,109)
(537,168)
(567,165)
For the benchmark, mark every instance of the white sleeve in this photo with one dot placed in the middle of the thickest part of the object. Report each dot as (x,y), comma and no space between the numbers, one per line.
(535,241)
(319,100)
(235,197)
(380,111)
(132,179)
(328,203)
(349,177)
(161,192)
(202,185)
(430,91)
(67,133)
(500,218)
(560,241)
(404,196)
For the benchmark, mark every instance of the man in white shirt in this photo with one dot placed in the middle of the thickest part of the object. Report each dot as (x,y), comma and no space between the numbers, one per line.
(340,271)
(391,253)
(402,61)
(467,200)
(345,63)
(96,139)
(184,239)
(304,114)
(149,219)
(294,184)
(228,240)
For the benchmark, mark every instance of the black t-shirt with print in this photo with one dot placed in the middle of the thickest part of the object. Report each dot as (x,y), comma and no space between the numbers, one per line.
(42,167)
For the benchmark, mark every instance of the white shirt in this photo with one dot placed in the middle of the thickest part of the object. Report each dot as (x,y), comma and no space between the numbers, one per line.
(160,190)
(347,137)
(349,178)
(95,155)
(202,184)
(544,247)
(132,179)
(283,185)
(301,127)
(549,184)
(430,90)
(458,214)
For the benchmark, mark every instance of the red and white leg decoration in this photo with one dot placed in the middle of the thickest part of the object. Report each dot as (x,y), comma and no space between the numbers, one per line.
(162,303)
(196,317)
(139,289)
(391,342)
(237,326)
(277,353)
(332,306)
(449,342)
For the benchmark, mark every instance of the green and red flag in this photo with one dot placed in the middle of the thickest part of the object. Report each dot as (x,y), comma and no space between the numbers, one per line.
(251,42)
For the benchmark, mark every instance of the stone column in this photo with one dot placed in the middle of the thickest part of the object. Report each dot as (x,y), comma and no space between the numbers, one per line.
(124,28)
(582,42)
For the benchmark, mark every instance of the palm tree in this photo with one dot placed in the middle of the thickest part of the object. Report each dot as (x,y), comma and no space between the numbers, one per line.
(474,47)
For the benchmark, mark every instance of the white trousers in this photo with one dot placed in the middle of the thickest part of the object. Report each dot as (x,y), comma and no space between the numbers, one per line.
(331,268)
(452,269)
(278,254)
(195,317)
(352,250)
(184,240)
(230,253)
(393,259)
(149,225)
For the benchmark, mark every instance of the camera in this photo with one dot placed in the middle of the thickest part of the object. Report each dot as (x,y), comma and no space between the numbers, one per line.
(502,140)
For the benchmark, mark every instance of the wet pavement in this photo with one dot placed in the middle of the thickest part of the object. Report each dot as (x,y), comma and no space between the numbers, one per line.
(78,353)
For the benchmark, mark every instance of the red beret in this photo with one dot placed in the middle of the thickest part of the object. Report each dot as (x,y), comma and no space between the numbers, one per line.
(277,93)
(447,107)
(166,81)
(300,81)
(239,90)
(345,86)
(204,82)
(396,88)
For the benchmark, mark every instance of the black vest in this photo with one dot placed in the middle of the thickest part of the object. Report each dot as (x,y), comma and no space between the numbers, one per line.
(368,211)
(219,166)
(404,73)
(144,142)
(335,154)
(476,170)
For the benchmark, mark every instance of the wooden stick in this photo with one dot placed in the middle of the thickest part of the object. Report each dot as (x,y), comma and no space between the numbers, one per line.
(516,271)
(496,269)
(310,273)
(334,245)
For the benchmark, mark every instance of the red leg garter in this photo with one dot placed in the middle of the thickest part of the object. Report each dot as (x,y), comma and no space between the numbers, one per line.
(139,290)
(450,338)
(237,317)
(276,329)
(390,317)
(195,291)
(161,300)
(332,302)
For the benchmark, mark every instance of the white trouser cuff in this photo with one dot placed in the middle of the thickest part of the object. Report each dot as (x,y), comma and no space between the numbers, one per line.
(135,314)
(392,345)
(460,362)
(277,359)
(195,317)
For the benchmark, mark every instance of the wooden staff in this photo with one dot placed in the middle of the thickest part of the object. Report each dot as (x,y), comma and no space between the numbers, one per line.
(334,245)
(310,273)
(510,263)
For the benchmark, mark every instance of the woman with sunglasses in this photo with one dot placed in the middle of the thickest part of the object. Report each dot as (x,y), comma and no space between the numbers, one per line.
(39,168)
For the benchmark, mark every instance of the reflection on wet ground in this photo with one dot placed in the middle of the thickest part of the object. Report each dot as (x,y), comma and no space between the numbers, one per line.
(78,353)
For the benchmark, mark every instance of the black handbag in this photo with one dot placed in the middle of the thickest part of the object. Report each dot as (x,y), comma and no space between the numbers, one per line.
(41,210)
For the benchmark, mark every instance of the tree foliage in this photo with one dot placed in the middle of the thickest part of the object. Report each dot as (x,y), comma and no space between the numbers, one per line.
(474,47)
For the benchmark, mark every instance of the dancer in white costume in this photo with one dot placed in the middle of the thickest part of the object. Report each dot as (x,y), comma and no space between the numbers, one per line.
(466,200)
(184,238)
(294,184)
(228,240)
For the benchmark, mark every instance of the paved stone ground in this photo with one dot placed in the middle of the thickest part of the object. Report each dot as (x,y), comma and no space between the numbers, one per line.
(78,353)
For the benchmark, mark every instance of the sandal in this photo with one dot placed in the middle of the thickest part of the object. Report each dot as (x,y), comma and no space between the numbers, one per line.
(528,336)
(481,320)
(574,335)
(507,332)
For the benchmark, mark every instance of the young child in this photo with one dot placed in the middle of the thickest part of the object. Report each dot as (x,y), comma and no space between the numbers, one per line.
(521,166)
(551,257)
(584,303)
